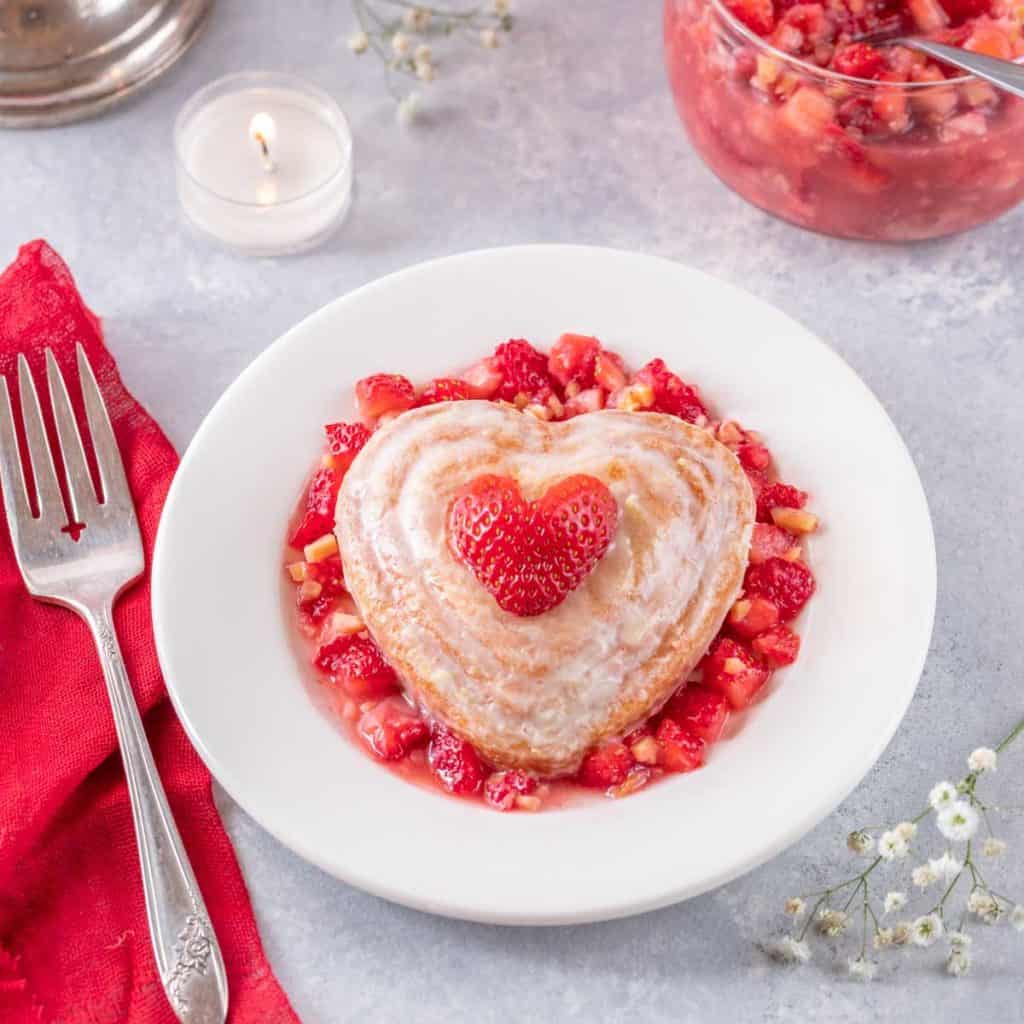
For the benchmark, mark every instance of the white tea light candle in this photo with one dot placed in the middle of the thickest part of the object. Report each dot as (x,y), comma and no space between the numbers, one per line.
(264,162)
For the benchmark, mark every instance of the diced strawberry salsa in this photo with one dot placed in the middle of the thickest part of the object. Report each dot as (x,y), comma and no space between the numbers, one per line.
(576,377)
(850,137)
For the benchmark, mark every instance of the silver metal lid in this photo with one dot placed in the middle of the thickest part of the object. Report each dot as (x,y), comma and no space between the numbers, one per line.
(62,60)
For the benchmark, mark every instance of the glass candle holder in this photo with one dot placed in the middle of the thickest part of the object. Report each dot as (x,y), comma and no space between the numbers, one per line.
(263,162)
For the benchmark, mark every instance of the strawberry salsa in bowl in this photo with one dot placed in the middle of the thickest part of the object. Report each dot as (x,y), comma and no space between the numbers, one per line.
(789,107)
(578,377)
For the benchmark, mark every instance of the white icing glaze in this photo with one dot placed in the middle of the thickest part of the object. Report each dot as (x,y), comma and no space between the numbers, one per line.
(550,684)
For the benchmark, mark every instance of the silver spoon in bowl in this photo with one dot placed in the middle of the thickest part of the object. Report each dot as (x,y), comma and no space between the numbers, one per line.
(1004,74)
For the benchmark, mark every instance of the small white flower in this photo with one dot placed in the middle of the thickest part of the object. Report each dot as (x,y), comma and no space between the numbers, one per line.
(982,760)
(894,901)
(489,39)
(502,7)
(984,905)
(861,969)
(942,795)
(961,939)
(794,906)
(884,938)
(790,950)
(946,867)
(993,847)
(409,108)
(906,830)
(831,922)
(925,930)
(923,875)
(958,821)
(416,19)
(959,962)
(359,42)
(902,933)
(425,71)
(1017,917)
(859,842)
(892,846)
(401,44)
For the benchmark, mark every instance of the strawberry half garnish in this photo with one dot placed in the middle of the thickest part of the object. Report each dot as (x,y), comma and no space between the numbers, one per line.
(530,556)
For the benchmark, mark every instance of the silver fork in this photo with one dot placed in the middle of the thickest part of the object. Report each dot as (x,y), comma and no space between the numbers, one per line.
(88,576)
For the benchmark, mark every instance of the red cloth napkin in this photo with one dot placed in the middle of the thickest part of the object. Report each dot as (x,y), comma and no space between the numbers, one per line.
(74,945)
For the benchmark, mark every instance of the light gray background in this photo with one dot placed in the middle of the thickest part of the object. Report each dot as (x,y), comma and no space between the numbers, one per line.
(568,134)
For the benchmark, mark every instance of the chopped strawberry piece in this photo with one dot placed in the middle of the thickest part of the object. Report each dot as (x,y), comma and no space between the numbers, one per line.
(524,370)
(679,750)
(733,671)
(671,394)
(444,389)
(962,10)
(357,663)
(757,15)
(789,585)
(989,38)
(454,761)
(330,574)
(392,729)
(754,456)
(531,556)
(573,358)
(502,788)
(859,60)
(586,401)
(606,766)
(752,616)
(777,646)
(316,611)
(384,393)
(701,710)
(778,495)
(928,14)
(344,442)
(609,371)
(318,515)
(769,541)
(483,378)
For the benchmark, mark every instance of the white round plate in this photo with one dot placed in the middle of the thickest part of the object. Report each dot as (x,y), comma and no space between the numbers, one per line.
(224,635)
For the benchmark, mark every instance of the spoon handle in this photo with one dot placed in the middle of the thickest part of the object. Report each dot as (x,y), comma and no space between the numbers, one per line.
(1002,73)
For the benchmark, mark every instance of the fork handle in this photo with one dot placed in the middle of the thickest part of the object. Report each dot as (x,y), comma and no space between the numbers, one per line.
(187,953)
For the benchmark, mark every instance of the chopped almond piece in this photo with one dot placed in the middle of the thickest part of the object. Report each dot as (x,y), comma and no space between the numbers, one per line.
(637,779)
(646,750)
(542,412)
(309,591)
(794,554)
(796,520)
(323,547)
(730,432)
(522,400)
(528,803)
(733,666)
(297,571)
(343,624)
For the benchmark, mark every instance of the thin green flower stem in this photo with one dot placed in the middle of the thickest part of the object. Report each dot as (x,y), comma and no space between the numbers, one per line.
(864,924)
(1011,736)
(853,895)
(436,12)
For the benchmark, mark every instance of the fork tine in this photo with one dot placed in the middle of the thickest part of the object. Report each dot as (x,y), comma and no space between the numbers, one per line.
(12,481)
(47,490)
(116,492)
(80,489)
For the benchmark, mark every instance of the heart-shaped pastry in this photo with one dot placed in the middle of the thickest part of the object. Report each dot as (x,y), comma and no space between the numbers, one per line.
(537,692)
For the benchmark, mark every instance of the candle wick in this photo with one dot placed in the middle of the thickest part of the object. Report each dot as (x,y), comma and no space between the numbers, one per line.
(268,162)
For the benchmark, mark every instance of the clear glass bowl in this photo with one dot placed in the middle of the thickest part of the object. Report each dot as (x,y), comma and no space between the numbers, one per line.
(840,155)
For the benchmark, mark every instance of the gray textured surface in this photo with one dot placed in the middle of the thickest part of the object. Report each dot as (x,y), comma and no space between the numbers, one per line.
(568,134)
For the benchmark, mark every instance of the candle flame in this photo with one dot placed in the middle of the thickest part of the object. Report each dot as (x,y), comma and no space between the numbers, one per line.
(263,131)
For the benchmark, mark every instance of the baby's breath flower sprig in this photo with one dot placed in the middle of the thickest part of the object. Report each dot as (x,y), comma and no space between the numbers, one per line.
(959,812)
(397,33)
